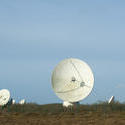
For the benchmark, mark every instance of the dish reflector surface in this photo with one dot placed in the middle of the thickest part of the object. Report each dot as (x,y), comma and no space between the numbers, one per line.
(111,100)
(72,80)
(4,97)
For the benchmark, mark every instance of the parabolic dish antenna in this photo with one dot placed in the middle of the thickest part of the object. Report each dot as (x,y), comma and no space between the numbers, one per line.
(4,97)
(72,80)
(21,102)
(13,101)
(111,100)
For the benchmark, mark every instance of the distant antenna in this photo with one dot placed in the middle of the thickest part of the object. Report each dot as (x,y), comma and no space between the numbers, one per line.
(21,102)
(13,101)
(4,97)
(72,81)
(111,100)
(67,104)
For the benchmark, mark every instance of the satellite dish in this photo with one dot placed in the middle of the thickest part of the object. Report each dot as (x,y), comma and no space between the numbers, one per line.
(13,101)
(70,104)
(4,97)
(111,100)
(67,104)
(72,80)
(21,102)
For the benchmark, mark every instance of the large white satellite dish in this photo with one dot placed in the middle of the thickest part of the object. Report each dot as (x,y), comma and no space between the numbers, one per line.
(72,80)
(4,97)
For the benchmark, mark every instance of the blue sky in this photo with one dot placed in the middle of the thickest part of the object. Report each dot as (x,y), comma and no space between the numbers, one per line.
(37,34)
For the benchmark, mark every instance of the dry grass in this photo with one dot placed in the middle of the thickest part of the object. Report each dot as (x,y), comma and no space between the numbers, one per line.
(54,114)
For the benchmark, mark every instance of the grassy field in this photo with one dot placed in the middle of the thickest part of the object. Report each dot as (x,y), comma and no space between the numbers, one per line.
(55,114)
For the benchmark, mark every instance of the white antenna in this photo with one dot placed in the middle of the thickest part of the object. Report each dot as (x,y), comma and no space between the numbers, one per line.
(111,100)
(21,102)
(72,80)
(4,97)
(13,101)
(67,104)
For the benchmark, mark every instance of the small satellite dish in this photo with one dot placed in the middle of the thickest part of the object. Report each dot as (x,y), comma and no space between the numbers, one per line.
(67,104)
(72,80)
(111,100)
(21,102)
(13,101)
(70,104)
(4,97)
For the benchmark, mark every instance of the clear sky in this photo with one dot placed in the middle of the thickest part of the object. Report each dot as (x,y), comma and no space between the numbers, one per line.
(37,34)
